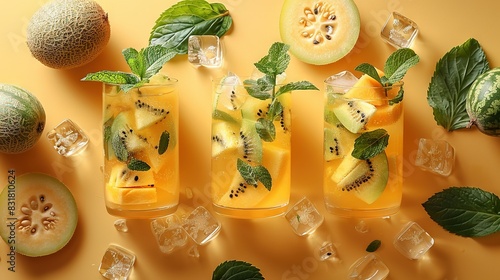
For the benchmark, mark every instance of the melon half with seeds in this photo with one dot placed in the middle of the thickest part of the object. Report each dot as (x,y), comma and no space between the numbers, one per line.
(44,217)
(319,31)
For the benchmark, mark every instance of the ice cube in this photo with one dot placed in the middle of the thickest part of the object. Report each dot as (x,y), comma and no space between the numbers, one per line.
(230,93)
(117,263)
(121,225)
(67,138)
(205,50)
(413,241)
(168,233)
(327,250)
(201,226)
(340,82)
(361,227)
(436,156)
(304,217)
(193,251)
(368,267)
(399,31)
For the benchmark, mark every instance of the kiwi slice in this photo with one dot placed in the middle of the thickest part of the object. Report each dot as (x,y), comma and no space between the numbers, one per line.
(44,218)
(366,179)
(354,114)
(224,136)
(122,177)
(251,144)
(229,93)
(147,114)
(123,137)
(338,142)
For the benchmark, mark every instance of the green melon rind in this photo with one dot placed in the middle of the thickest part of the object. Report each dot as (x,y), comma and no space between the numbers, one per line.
(22,119)
(483,102)
(38,180)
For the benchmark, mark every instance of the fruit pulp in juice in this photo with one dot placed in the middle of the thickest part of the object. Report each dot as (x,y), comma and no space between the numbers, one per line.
(234,137)
(362,188)
(141,151)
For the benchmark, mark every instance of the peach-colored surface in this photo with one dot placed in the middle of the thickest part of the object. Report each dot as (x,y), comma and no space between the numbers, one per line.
(269,244)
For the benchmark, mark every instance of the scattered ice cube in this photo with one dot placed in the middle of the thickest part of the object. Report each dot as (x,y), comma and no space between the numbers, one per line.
(304,217)
(361,227)
(205,50)
(368,267)
(413,241)
(168,233)
(230,92)
(121,225)
(67,138)
(327,250)
(340,82)
(436,156)
(201,226)
(117,263)
(399,31)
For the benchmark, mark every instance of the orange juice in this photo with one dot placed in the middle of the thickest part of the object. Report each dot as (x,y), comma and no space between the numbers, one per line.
(237,146)
(141,151)
(370,187)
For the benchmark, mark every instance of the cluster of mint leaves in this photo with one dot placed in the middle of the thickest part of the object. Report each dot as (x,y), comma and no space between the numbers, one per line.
(272,65)
(371,143)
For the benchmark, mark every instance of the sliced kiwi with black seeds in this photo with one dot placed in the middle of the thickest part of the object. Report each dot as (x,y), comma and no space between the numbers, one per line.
(229,93)
(354,114)
(225,136)
(124,139)
(122,177)
(251,144)
(338,141)
(241,194)
(366,179)
(146,114)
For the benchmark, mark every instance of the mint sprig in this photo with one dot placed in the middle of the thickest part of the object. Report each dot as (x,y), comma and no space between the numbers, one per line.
(236,270)
(455,72)
(370,144)
(254,174)
(144,64)
(395,68)
(465,211)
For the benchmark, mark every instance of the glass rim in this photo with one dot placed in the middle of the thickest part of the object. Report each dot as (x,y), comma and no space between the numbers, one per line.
(170,81)
(217,81)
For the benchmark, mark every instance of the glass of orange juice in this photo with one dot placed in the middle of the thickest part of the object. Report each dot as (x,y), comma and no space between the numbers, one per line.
(250,170)
(363,146)
(141,151)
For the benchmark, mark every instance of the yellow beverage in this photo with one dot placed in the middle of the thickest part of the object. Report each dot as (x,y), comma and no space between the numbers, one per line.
(235,119)
(362,187)
(141,151)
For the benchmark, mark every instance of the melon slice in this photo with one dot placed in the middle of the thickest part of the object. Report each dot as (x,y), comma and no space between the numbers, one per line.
(366,179)
(242,195)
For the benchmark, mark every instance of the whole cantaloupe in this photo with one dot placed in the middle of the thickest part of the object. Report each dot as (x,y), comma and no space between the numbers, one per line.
(22,119)
(65,34)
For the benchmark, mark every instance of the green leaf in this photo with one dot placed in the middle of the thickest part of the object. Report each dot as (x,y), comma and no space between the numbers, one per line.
(455,72)
(112,77)
(398,98)
(465,211)
(398,63)
(266,130)
(119,147)
(276,61)
(138,165)
(236,270)
(154,59)
(370,144)
(264,176)
(369,70)
(135,61)
(302,85)
(221,115)
(246,172)
(189,17)
(164,141)
(373,246)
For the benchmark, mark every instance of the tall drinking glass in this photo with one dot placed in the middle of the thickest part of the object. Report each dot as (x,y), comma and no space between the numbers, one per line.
(250,168)
(141,149)
(362,173)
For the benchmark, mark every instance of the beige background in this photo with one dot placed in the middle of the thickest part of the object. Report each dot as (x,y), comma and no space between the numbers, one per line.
(269,244)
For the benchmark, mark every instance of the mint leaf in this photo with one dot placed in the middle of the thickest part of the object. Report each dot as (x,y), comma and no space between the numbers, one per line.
(189,17)
(119,147)
(164,141)
(370,70)
(465,211)
(112,77)
(236,270)
(246,172)
(135,61)
(373,246)
(266,130)
(154,58)
(264,176)
(276,61)
(455,72)
(398,63)
(137,165)
(302,85)
(370,144)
